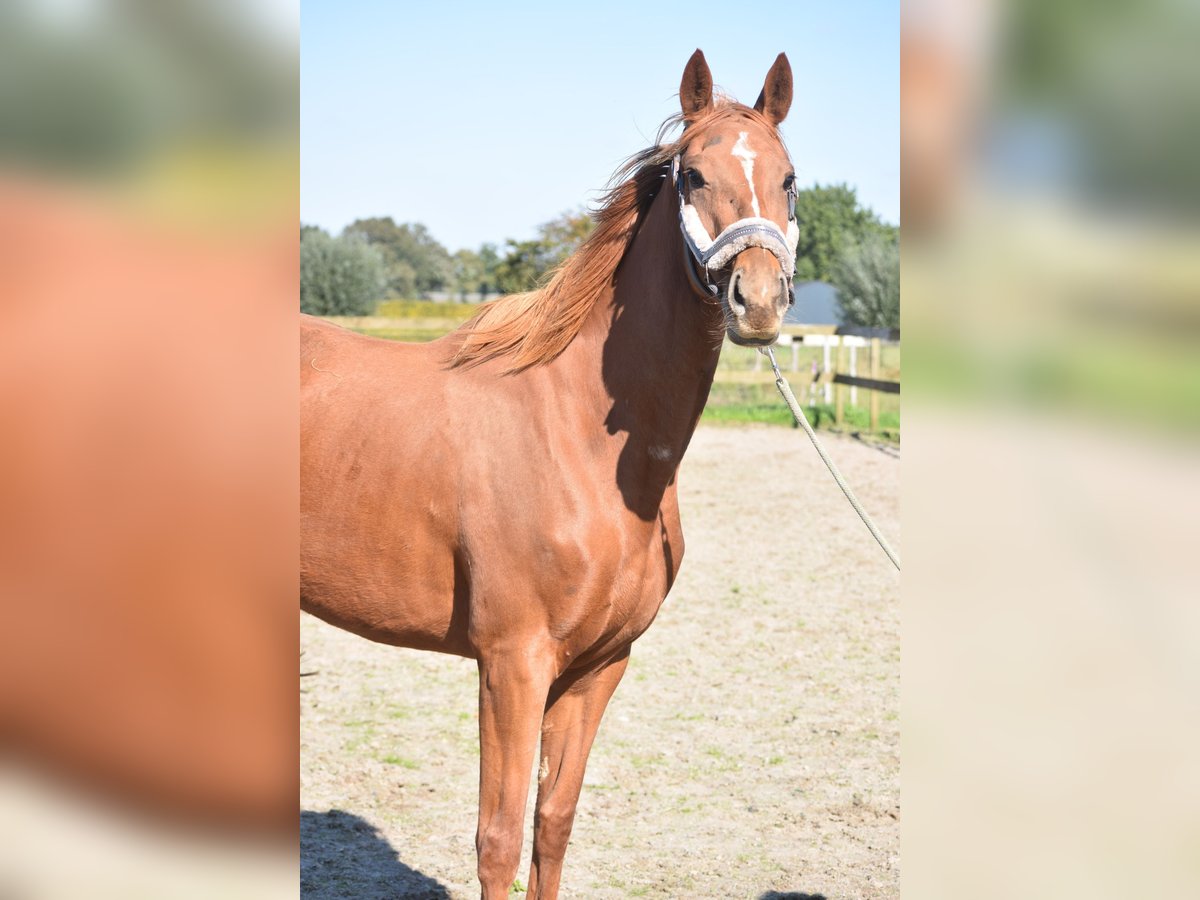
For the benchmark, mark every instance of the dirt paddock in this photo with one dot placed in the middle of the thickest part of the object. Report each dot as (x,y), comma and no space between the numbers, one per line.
(752,749)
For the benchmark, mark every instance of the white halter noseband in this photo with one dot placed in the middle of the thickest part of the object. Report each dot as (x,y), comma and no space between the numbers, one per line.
(752,231)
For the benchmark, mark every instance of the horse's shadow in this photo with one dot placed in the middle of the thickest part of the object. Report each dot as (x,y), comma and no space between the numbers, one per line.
(790,895)
(342,855)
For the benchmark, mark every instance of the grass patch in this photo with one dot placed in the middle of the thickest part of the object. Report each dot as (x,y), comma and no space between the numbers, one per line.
(647,761)
(747,413)
(393,760)
(739,404)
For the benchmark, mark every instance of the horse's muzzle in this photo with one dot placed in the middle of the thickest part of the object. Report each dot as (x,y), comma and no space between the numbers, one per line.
(756,299)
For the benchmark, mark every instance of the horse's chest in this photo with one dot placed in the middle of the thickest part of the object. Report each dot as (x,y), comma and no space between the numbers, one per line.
(640,586)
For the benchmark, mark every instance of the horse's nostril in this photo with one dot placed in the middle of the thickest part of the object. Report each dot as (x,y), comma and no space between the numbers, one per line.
(739,298)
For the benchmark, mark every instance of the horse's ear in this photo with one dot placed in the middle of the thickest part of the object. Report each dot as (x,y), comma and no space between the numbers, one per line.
(695,91)
(776,97)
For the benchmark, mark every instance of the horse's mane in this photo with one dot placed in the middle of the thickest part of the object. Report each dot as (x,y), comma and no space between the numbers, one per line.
(533,328)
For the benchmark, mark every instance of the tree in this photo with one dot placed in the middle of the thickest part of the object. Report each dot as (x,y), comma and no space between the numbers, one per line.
(525,263)
(830,217)
(401,276)
(562,236)
(416,262)
(468,273)
(342,276)
(489,259)
(867,277)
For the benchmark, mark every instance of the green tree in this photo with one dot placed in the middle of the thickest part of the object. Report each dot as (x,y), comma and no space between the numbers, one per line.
(525,263)
(416,262)
(867,277)
(401,277)
(489,259)
(468,273)
(830,217)
(562,236)
(342,276)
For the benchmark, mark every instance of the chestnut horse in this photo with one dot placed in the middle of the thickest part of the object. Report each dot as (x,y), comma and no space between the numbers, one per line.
(508,493)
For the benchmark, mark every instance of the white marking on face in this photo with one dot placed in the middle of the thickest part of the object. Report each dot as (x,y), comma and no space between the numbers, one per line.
(743,152)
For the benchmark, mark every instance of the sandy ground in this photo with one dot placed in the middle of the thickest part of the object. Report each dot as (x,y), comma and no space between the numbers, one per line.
(752,749)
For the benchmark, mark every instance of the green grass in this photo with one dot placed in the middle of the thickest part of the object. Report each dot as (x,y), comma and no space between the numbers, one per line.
(740,404)
(747,414)
(393,760)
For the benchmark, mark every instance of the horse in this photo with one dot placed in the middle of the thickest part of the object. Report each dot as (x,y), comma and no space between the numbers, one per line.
(508,493)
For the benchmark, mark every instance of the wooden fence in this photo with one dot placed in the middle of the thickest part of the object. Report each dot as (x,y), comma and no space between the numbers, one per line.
(840,370)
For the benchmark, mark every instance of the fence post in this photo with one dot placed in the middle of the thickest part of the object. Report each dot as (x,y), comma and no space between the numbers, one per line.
(874,394)
(826,389)
(840,389)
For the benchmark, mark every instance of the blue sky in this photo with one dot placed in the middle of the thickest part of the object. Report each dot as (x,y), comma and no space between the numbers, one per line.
(484,120)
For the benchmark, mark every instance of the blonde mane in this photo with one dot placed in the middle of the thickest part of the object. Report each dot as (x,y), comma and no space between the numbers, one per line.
(533,328)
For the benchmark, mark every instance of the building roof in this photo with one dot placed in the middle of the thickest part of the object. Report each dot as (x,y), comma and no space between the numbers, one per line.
(816,304)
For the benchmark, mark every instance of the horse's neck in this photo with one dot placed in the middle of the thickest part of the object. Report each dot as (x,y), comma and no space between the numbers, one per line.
(658,344)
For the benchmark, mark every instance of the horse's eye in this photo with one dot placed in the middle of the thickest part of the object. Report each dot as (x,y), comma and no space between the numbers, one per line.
(789,184)
(695,179)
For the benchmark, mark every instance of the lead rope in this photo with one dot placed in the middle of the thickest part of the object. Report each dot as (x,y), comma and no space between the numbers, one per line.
(797,413)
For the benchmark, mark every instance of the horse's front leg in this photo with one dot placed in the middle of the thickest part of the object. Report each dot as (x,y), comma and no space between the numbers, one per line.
(513,684)
(573,711)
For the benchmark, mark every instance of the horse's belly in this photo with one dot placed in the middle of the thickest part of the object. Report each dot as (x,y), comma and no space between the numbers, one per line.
(383,572)
(392,607)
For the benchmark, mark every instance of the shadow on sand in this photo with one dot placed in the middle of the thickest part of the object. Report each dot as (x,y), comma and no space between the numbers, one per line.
(790,895)
(342,855)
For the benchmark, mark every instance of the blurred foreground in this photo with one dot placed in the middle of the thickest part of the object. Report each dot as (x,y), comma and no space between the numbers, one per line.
(1051,275)
(148,657)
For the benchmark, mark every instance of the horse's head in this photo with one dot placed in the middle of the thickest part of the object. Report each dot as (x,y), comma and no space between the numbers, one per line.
(737,193)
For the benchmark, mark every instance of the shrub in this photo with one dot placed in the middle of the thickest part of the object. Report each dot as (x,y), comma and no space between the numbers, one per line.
(342,276)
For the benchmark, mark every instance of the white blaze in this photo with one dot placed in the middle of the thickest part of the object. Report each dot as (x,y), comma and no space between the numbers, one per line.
(743,152)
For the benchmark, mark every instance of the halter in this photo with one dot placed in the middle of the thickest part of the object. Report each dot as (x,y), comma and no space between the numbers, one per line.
(752,231)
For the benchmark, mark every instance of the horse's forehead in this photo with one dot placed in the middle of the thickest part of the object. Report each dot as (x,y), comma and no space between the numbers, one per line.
(736,138)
